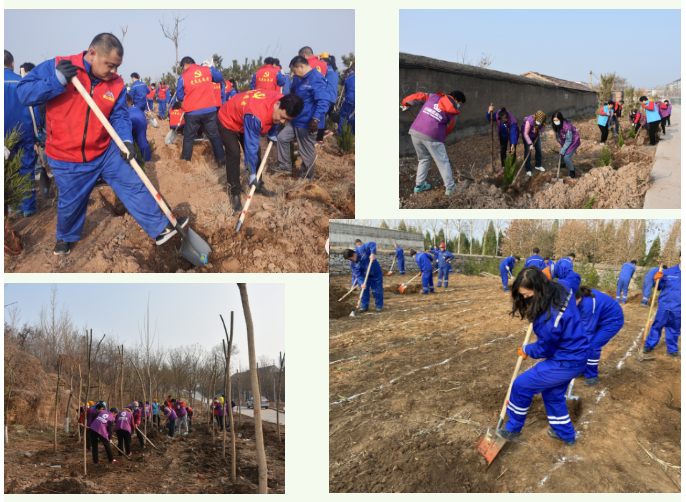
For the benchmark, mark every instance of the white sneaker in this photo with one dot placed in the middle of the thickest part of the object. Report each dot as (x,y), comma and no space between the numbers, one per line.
(540,168)
(528,173)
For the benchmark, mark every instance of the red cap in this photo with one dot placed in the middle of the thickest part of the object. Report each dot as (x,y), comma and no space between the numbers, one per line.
(442,245)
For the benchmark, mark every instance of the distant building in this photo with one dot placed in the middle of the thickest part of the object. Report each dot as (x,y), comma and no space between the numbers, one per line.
(617,95)
(582,83)
(673,86)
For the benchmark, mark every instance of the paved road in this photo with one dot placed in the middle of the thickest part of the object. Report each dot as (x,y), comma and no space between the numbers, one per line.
(665,191)
(267,415)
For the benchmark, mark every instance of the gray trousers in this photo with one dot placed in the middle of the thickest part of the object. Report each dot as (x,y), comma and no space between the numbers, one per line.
(426,150)
(182,422)
(306,142)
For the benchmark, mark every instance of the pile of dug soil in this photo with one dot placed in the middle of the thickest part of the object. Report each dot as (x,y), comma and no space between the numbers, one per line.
(343,308)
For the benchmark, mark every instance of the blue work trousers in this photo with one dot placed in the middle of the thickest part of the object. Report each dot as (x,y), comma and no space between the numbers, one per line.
(601,338)
(671,322)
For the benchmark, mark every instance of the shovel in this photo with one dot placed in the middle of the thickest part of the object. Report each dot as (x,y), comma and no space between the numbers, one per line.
(152,119)
(359,301)
(172,135)
(645,335)
(559,161)
(146,437)
(351,290)
(639,138)
(193,247)
(390,272)
(44,182)
(522,166)
(252,189)
(403,287)
(490,444)
(569,392)
(112,443)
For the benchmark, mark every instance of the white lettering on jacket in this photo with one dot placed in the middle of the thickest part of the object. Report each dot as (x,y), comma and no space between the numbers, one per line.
(434,112)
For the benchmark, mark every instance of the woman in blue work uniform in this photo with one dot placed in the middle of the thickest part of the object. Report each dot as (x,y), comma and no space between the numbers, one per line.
(562,342)
(602,318)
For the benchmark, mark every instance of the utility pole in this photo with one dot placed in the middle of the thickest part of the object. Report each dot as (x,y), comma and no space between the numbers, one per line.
(591,75)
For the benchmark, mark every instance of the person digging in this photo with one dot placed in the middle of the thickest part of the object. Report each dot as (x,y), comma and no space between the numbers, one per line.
(363,257)
(78,159)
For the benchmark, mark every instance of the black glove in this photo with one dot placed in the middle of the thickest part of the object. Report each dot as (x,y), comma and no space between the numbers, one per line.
(314,126)
(127,156)
(67,68)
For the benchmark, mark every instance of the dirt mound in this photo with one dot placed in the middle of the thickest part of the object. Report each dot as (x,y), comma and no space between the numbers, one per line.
(343,308)
(67,485)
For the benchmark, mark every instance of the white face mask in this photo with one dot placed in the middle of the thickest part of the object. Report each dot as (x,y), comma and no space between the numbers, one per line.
(458,105)
(556,122)
(538,123)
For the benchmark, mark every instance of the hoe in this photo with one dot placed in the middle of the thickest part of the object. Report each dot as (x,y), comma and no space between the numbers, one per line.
(650,314)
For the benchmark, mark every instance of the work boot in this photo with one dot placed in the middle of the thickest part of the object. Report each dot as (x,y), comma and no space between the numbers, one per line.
(591,381)
(362,310)
(61,248)
(572,174)
(507,435)
(379,309)
(169,231)
(236,203)
(551,434)
(424,293)
(647,350)
(644,305)
(263,191)
(675,355)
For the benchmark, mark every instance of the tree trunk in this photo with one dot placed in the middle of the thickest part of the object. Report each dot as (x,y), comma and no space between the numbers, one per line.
(259,438)
(121,358)
(71,391)
(142,387)
(227,379)
(78,426)
(278,396)
(89,346)
(57,398)
(240,418)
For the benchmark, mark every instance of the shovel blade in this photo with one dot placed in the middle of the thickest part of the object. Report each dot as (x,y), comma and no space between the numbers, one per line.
(489,445)
(641,358)
(171,137)
(389,273)
(153,122)
(44,184)
(195,249)
(639,140)
(402,288)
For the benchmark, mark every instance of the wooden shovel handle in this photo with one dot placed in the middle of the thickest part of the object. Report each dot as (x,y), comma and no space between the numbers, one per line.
(533,145)
(359,301)
(252,189)
(106,124)
(516,372)
(650,314)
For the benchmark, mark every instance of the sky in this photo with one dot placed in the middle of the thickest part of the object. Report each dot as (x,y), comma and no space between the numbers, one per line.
(185,313)
(564,44)
(233,34)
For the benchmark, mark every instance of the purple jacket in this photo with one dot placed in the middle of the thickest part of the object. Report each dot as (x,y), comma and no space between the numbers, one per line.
(180,410)
(220,409)
(669,109)
(169,413)
(92,413)
(100,423)
(663,113)
(511,134)
(124,421)
(532,136)
(576,140)
(431,121)
(147,411)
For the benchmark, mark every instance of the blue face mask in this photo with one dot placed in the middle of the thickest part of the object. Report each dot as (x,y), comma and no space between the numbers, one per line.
(538,123)
(458,105)
(556,123)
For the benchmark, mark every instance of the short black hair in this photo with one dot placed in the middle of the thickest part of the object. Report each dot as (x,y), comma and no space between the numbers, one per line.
(536,250)
(129,98)
(642,99)
(412,252)
(547,258)
(572,255)
(634,262)
(517,258)
(459,96)
(610,102)
(105,43)
(153,85)
(186,60)
(358,240)
(298,61)
(233,82)
(27,67)
(348,253)
(276,62)
(9,58)
(293,105)
(177,105)
(621,101)
(305,51)
(135,75)
(268,60)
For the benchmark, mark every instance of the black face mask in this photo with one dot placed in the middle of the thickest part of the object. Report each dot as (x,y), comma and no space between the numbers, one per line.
(527,301)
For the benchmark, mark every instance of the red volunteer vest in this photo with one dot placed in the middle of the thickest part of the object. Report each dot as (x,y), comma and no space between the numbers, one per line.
(151,94)
(162,92)
(228,87)
(265,78)
(74,132)
(197,86)
(258,103)
(217,86)
(317,63)
(174,116)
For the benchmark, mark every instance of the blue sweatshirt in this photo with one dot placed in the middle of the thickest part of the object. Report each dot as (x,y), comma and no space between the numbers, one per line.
(424,262)
(512,135)
(562,337)
(562,268)
(349,86)
(600,311)
(399,253)
(359,268)
(138,92)
(508,262)
(627,271)
(332,83)
(251,140)
(443,256)
(44,82)
(16,113)
(139,125)
(180,93)
(535,261)
(312,88)
(670,290)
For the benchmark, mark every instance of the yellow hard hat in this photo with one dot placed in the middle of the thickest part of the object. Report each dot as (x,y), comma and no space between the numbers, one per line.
(221,400)
(323,55)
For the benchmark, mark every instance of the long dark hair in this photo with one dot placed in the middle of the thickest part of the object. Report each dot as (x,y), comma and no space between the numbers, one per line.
(557,129)
(548,295)
(331,60)
(583,291)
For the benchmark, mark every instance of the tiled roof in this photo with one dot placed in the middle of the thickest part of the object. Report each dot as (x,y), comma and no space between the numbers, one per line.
(560,82)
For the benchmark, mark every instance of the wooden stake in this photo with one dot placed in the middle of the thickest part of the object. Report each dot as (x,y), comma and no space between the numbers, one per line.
(492,165)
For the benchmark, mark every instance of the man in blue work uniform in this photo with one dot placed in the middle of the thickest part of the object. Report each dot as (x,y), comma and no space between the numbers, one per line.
(506,269)
(425,263)
(563,267)
(625,275)
(668,315)
(435,253)
(361,259)
(310,85)
(138,91)
(348,108)
(400,258)
(77,160)
(18,115)
(139,124)
(534,260)
(39,117)
(444,258)
(648,285)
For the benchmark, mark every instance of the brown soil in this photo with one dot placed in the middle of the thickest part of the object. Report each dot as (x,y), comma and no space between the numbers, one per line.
(274,233)
(186,464)
(623,186)
(398,378)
